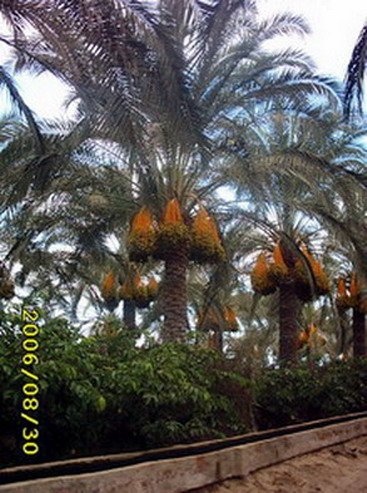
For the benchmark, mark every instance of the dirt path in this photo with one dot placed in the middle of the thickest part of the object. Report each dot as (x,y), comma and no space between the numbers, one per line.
(338,469)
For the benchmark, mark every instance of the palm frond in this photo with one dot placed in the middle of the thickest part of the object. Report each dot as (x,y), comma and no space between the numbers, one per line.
(7,81)
(355,73)
(283,24)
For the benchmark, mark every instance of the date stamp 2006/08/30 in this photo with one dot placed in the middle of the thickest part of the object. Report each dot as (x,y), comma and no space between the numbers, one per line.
(30,403)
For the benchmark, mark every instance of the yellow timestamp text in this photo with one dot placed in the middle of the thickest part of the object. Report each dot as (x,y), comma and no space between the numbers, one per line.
(30,387)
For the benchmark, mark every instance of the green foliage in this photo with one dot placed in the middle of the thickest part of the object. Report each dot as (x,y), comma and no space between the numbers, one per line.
(174,393)
(102,394)
(287,396)
(68,393)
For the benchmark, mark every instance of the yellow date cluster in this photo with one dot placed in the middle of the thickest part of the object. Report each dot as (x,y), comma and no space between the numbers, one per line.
(30,403)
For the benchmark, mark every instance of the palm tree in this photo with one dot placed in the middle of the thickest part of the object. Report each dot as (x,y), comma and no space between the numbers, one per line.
(296,188)
(162,83)
(120,57)
(294,274)
(168,178)
(61,227)
(213,296)
(359,333)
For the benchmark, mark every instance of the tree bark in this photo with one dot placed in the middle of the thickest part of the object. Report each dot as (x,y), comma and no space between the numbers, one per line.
(129,314)
(218,334)
(174,296)
(289,306)
(359,334)
(344,325)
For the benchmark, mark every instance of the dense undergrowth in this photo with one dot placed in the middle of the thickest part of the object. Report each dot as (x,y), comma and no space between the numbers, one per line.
(101,394)
(308,392)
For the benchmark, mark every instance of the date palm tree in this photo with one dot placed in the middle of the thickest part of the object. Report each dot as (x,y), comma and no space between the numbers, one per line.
(307,180)
(160,82)
(290,270)
(61,224)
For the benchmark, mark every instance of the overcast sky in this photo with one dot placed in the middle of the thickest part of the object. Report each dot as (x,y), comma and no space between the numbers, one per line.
(335,26)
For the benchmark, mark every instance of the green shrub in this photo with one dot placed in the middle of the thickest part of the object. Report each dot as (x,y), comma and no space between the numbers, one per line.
(101,394)
(175,393)
(287,396)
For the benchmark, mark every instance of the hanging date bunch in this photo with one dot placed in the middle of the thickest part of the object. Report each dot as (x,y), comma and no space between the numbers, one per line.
(208,319)
(278,269)
(261,280)
(231,319)
(6,283)
(197,236)
(142,236)
(309,278)
(343,298)
(206,246)
(311,337)
(349,294)
(133,289)
(267,274)
(173,232)
(109,290)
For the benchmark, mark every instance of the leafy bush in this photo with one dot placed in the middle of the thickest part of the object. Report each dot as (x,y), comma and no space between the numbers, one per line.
(102,394)
(175,393)
(68,395)
(287,396)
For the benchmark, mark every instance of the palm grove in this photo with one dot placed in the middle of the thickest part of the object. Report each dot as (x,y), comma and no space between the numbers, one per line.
(205,186)
(177,105)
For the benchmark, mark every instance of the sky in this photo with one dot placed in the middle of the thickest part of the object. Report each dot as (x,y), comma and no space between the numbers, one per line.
(335,26)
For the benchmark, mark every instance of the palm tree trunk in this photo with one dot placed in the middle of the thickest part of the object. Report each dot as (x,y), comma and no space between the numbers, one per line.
(174,295)
(359,334)
(129,314)
(218,334)
(308,355)
(289,306)
(343,331)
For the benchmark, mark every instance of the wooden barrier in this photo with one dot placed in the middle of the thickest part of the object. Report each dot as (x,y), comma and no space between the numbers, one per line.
(186,473)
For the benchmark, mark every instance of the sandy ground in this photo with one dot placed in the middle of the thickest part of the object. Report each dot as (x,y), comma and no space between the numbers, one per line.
(338,469)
